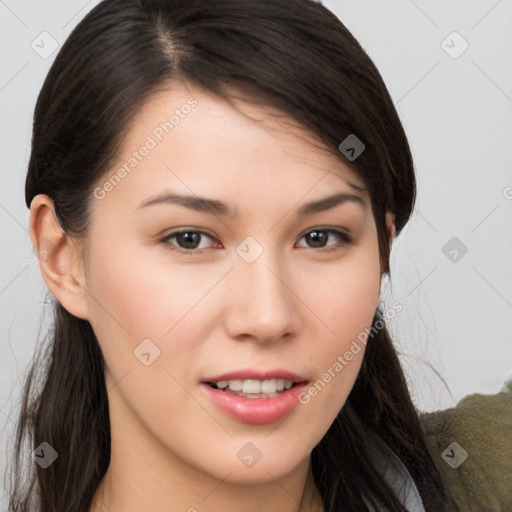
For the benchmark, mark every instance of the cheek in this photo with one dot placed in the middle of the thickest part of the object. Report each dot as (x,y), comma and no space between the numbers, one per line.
(345,295)
(345,305)
(136,298)
(133,294)
(139,308)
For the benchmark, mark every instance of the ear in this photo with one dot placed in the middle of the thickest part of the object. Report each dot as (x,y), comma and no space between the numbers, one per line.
(390,223)
(59,258)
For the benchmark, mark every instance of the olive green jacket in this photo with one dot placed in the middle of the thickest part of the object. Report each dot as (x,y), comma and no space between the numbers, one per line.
(473,449)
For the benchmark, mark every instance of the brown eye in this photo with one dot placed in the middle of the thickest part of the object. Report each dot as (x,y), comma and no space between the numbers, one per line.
(318,238)
(187,241)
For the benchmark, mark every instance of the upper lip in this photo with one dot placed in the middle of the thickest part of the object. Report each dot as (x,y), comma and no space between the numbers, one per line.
(251,373)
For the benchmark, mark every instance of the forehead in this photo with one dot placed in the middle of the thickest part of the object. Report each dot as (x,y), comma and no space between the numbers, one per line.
(190,138)
(208,119)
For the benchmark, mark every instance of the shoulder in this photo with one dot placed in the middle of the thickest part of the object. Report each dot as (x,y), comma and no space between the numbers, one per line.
(472,444)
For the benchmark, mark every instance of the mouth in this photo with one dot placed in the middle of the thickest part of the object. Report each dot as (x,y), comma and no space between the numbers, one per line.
(253,388)
(255,397)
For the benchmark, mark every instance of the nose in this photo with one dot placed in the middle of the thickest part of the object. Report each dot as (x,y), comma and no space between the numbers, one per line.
(262,301)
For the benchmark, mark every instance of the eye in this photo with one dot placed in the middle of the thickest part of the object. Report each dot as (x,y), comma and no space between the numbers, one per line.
(186,241)
(193,242)
(319,237)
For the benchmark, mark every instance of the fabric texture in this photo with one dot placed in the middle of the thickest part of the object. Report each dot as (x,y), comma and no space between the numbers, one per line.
(473,448)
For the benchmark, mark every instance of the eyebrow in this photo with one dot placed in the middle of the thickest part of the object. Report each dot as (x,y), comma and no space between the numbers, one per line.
(218,208)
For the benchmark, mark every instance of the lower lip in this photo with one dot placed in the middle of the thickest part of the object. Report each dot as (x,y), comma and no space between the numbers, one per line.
(255,411)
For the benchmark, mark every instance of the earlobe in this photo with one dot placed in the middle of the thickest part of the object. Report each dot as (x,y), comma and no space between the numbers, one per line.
(390,224)
(59,260)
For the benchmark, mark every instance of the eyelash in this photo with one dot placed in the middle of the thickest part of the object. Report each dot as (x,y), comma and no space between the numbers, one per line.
(346,240)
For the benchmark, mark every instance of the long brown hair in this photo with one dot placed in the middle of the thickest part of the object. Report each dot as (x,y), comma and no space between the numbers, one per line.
(295,56)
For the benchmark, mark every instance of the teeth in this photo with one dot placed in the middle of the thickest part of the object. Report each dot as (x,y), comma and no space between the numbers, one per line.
(235,385)
(254,387)
(269,386)
(251,386)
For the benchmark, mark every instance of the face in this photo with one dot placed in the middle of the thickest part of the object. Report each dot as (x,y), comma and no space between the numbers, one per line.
(260,280)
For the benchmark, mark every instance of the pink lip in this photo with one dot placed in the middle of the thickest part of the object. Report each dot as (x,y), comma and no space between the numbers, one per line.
(251,373)
(254,411)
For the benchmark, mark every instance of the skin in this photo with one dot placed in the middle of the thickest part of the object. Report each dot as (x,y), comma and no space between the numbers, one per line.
(295,307)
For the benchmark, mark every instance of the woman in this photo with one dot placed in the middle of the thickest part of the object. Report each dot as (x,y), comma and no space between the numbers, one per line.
(213,189)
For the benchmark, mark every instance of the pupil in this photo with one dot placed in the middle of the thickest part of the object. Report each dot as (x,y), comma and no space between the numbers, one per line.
(318,238)
(188,238)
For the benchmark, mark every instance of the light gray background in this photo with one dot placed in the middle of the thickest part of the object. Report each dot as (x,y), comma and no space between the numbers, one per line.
(457,113)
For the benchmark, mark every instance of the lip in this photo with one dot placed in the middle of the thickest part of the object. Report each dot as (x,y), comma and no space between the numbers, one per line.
(254,411)
(251,373)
